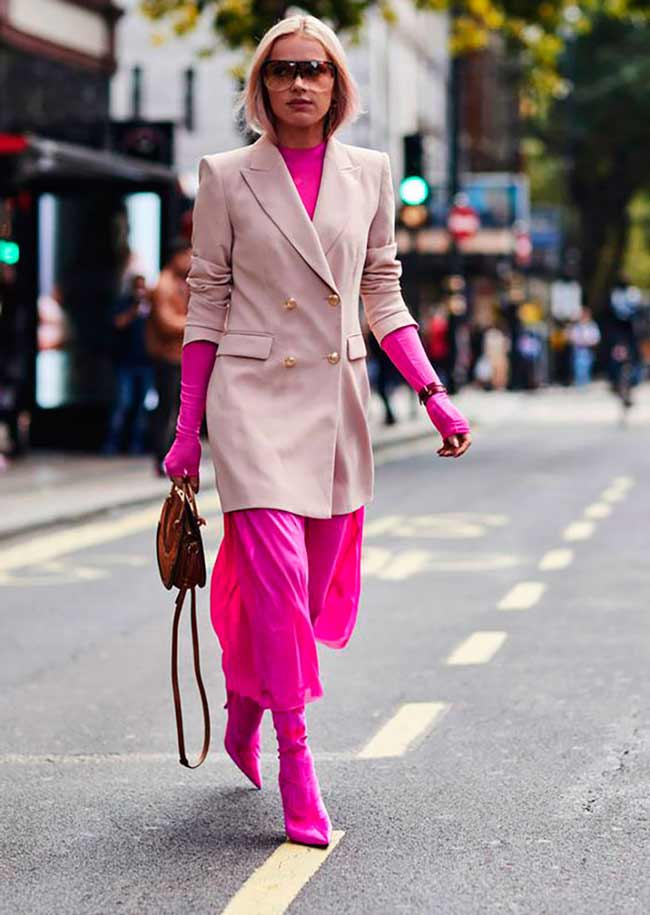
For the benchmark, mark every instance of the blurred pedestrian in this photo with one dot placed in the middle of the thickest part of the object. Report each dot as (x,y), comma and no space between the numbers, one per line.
(384,378)
(274,346)
(585,337)
(436,337)
(529,351)
(133,372)
(164,339)
(496,347)
(560,347)
(621,338)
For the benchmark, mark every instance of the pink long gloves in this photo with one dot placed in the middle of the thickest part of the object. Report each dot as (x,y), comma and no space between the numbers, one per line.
(197,362)
(404,349)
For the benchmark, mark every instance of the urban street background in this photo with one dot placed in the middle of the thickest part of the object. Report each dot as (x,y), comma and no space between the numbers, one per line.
(484,746)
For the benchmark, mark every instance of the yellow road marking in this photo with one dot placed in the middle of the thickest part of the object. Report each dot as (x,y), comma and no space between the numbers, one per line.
(479,648)
(617,489)
(374,559)
(405,564)
(522,596)
(579,530)
(556,559)
(271,889)
(46,547)
(623,482)
(442,526)
(598,510)
(411,721)
(613,494)
(383,525)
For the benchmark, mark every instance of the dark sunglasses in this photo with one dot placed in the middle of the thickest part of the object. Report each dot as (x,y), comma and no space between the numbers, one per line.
(280,74)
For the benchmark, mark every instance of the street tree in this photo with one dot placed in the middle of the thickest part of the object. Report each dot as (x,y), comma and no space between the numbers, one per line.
(534,31)
(601,130)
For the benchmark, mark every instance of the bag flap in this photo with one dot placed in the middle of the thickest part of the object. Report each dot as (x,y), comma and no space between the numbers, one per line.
(356,347)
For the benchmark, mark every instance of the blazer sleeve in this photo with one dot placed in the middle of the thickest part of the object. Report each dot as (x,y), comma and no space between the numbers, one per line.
(380,281)
(210,276)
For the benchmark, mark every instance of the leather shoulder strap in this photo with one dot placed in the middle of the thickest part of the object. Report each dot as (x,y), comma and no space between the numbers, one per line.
(199,681)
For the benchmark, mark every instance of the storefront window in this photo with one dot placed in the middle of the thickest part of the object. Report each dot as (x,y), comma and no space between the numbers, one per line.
(89,245)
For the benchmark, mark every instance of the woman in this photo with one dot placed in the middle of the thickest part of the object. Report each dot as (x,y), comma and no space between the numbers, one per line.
(287,233)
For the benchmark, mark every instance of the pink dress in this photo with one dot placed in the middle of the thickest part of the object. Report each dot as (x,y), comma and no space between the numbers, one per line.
(282,582)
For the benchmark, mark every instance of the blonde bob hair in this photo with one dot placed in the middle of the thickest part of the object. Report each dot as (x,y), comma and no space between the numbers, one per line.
(253,105)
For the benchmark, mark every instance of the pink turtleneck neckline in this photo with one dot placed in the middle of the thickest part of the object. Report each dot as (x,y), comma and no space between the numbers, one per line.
(306,168)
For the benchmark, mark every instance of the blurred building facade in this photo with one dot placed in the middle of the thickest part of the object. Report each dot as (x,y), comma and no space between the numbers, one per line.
(401,71)
(69,209)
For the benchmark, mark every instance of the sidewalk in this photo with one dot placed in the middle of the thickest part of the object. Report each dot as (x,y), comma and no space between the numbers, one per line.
(54,488)
(47,489)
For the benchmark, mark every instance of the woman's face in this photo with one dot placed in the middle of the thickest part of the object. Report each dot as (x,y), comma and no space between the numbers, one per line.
(283,101)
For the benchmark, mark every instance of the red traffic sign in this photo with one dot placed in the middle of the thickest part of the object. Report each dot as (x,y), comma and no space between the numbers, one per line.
(463,222)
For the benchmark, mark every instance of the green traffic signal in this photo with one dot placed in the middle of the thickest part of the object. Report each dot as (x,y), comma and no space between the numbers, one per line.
(9,252)
(413,190)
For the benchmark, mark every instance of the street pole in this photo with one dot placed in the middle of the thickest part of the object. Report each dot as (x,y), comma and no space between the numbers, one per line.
(455,283)
(453,116)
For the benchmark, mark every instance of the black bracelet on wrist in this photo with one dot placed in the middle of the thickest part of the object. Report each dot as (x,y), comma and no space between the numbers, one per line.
(428,390)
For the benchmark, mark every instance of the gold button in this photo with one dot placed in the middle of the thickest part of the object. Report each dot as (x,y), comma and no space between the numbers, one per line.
(290,361)
(333,298)
(290,303)
(333,358)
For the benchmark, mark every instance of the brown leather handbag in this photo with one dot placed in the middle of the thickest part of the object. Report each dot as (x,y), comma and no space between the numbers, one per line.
(181,562)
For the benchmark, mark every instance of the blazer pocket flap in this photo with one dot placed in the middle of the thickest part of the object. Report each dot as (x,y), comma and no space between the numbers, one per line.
(356,347)
(255,346)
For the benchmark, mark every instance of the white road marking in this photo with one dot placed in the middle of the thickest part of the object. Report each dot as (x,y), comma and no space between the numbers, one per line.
(272,888)
(412,720)
(579,530)
(598,510)
(46,547)
(556,559)
(522,596)
(479,648)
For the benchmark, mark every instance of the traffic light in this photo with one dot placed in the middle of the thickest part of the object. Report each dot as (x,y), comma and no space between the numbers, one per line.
(9,252)
(414,190)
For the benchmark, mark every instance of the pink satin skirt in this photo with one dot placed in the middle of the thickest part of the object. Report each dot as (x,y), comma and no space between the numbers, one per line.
(281,582)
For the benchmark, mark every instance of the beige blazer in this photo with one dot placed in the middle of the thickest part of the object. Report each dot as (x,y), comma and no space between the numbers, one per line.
(288,397)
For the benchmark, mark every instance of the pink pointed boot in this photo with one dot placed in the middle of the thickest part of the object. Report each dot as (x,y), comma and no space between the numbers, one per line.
(305,818)
(242,737)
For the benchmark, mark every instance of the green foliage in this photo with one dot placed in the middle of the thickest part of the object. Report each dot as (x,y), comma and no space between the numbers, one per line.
(601,129)
(535,32)
(637,255)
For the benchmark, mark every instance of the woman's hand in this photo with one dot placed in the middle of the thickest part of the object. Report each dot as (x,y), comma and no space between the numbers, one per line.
(455,445)
(451,424)
(182,461)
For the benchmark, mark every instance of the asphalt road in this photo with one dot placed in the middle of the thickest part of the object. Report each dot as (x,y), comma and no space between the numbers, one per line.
(515,777)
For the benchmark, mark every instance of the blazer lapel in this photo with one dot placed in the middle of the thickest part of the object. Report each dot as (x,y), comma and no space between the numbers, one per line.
(270,181)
